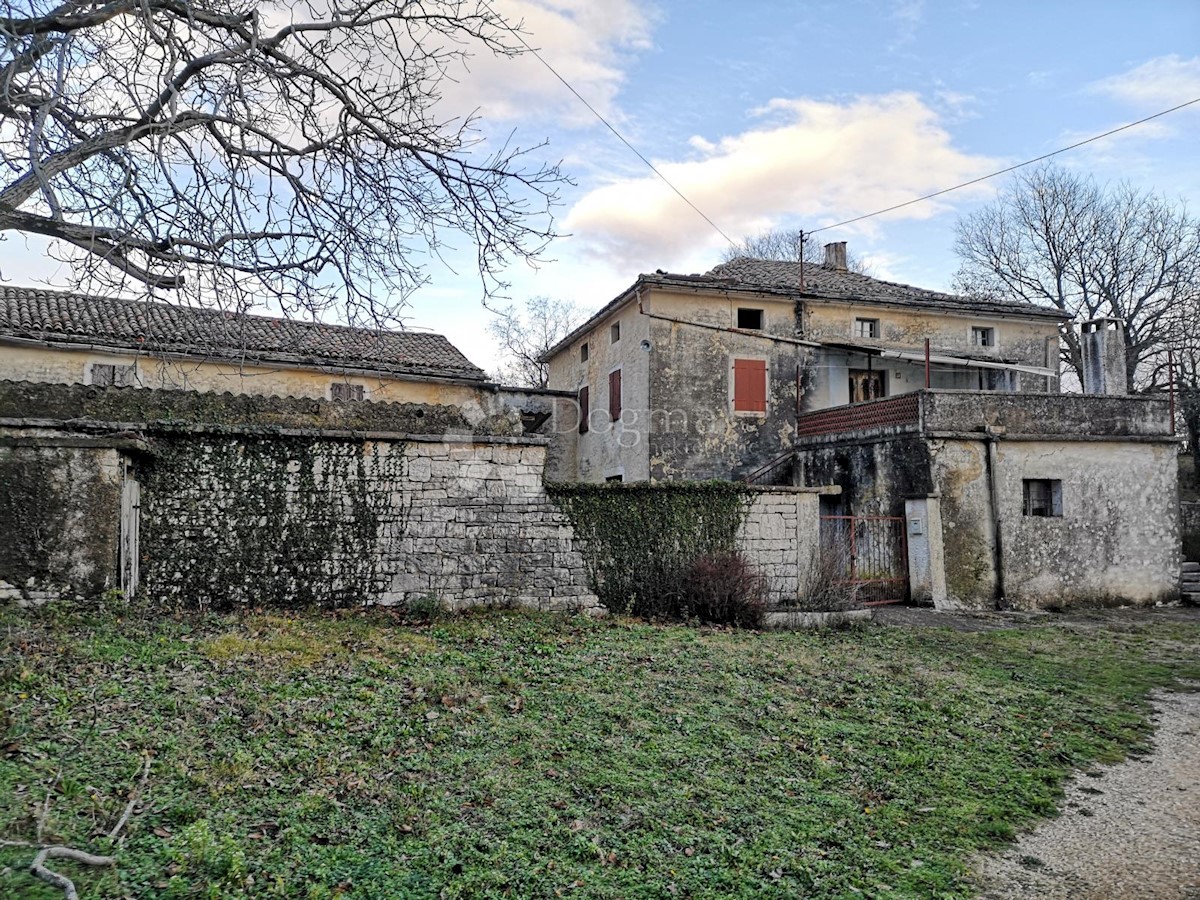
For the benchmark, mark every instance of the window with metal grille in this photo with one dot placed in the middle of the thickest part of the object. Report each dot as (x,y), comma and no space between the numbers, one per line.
(750,385)
(1042,497)
(584,410)
(866,328)
(614,395)
(109,375)
(340,390)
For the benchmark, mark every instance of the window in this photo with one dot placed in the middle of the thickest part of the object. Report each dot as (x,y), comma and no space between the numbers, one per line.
(750,319)
(614,333)
(341,390)
(866,385)
(614,479)
(983,337)
(110,375)
(750,385)
(584,410)
(583,352)
(1042,497)
(866,328)
(614,395)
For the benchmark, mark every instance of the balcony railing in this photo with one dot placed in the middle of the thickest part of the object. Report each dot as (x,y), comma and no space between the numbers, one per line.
(888,412)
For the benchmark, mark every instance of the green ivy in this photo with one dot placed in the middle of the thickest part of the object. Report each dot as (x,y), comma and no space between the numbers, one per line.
(639,540)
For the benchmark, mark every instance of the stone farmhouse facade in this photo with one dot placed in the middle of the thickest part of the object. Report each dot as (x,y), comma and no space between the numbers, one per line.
(937,412)
(704,376)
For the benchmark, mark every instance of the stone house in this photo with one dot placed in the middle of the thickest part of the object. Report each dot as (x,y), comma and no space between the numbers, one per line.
(705,376)
(953,470)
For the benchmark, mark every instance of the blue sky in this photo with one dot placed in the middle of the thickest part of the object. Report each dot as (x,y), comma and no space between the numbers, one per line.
(770,114)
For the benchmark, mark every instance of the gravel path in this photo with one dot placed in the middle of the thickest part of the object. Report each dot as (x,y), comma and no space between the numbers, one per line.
(1126,831)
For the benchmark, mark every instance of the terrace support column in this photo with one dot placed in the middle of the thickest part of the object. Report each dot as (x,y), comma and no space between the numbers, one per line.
(926,554)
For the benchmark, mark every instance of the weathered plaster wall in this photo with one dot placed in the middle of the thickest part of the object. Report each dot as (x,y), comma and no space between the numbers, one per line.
(60,514)
(875,476)
(58,366)
(694,430)
(959,473)
(1036,414)
(607,449)
(1024,340)
(1117,540)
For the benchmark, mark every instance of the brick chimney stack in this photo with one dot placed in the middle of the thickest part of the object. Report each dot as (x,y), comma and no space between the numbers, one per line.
(835,256)
(1102,342)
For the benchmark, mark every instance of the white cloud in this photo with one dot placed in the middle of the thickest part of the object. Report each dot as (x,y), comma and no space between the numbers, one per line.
(586,43)
(810,161)
(1160,83)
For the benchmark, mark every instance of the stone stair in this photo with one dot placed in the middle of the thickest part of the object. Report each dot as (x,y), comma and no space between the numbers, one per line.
(1189,583)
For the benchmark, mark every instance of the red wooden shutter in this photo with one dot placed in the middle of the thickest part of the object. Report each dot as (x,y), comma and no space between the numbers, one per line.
(749,385)
(614,395)
(583,410)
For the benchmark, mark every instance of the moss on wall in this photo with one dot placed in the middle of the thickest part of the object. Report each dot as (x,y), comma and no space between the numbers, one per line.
(268,521)
(638,539)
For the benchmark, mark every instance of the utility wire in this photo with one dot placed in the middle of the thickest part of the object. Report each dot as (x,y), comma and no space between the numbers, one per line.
(609,125)
(1022,165)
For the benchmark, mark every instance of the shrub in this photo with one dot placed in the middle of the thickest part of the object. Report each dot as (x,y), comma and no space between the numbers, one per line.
(723,589)
(824,585)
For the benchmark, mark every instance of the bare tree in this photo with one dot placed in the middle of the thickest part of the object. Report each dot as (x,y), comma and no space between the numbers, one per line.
(525,337)
(788,245)
(239,149)
(1056,238)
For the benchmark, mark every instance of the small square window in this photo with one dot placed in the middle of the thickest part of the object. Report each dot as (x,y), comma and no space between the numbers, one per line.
(1042,497)
(750,319)
(983,337)
(111,375)
(866,328)
(340,390)
(614,332)
(583,352)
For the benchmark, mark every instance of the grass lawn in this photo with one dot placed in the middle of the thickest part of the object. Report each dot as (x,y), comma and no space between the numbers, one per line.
(511,754)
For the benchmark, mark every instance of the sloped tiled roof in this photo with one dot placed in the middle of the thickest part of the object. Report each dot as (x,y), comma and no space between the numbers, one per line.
(147,326)
(765,276)
(840,284)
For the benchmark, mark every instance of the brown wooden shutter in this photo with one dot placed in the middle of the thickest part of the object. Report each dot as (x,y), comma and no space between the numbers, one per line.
(584,410)
(614,395)
(749,385)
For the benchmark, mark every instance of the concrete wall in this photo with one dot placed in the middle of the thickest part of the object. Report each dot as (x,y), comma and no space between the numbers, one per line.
(875,476)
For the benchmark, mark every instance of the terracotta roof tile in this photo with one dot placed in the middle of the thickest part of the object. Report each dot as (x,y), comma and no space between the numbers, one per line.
(148,326)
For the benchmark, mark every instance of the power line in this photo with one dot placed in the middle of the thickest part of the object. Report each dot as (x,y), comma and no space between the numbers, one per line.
(1027,162)
(610,126)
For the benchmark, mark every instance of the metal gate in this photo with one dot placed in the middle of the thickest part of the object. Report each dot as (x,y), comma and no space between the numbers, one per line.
(868,554)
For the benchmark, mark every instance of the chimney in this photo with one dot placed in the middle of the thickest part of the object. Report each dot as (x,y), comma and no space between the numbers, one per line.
(835,256)
(1102,342)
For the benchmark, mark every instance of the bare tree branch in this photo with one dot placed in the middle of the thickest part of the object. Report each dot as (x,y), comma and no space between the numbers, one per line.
(523,338)
(789,245)
(255,150)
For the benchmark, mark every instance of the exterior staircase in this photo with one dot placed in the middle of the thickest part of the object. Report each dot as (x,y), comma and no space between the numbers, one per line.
(1189,583)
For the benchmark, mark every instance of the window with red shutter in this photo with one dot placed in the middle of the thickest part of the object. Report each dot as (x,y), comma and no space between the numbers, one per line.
(584,410)
(750,385)
(614,395)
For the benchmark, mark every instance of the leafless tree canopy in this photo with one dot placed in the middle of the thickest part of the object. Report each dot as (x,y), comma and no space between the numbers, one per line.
(1056,238)
(788,245)
(524,337)
(241,149)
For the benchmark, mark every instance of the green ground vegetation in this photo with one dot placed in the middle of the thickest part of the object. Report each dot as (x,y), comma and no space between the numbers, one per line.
(512,754)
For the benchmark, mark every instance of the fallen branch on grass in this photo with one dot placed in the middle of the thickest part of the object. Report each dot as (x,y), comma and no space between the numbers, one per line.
(134,796)
(65,884)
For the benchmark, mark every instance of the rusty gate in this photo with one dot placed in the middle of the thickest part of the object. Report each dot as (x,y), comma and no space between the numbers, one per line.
(868,554)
